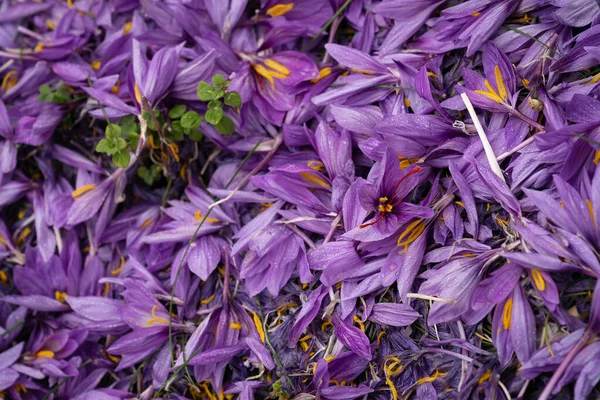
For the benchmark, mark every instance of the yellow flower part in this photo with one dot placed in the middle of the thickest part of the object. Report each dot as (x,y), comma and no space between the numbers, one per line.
(280,9)
(127,28)
(45,354)
(155,319)
(9,80)
(596,157)
(316,165)
(146,223)
(38,48)
(199,217)
(490,93)
(208,299)
(590,210)
(3,241)
(362,71)
(138,94)
(96,64)
(411,233)
(486,375)
(3,277)
(360,324)
(315,180)
(538,280)
(431,378)
(70,3)
(259,326)
(274,70)
(60,296)
(117,271)
(506,314)
(323,72)
(80,191)
(50,25)
(235,325)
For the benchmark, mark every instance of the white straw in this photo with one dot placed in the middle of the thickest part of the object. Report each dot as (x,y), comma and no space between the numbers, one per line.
(489,152)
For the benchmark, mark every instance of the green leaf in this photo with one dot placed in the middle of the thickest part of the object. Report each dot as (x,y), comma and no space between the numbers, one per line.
(113,131)
(225,126)
(190,120)
(218,80)
(205,92)
(121,158)
(195,135)
(176,126)
(214,115)
(121,143)
(214,104)
(218,94)
(177,111)
(103,146)
(133,139)
(233,99)
(129,125)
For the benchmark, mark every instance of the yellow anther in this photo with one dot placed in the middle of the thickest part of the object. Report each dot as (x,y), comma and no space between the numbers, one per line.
(105,290)
(380,335)
(483,337)
(468,255)
(329,358)
(70,3)
(264,206)
(127,27)
(45,354)
(208,299)
(199,217)
(259,326)
(20,388)
(487,207)
(500,83)
(411,233)
(406,102)
(155,319)
(9,80)
(96,64)
(501,222)
(146,223)
(80,191)
(538,280)
(138,95)
(324,325)
(596,157)
(323,72)
(506,314)
(280,9)
(118,270)
(275,66)
(588,202)
(316,165)
(112,358)
(3,277)
(486,376)
(3,241)
(305,286)
(235,325)
(60,296)
(360,324)
(476,14)
(23,235)
(562,203)
(431,378)
(282,309)
(38,48)
(182,170)
(431,74)
(50,25)
(362,71)
(460,203)
(21,213)
(315,180)
(153,142)
(490,92)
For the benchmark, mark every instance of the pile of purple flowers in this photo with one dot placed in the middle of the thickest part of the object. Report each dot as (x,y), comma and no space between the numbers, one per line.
(299,199)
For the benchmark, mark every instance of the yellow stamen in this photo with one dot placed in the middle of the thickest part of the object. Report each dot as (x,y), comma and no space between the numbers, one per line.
(483,337)
(105,290)
(323,72)
(362,71)
(23,235)
(9,80)
(174,151)
(45,354)
(235,325)
(152,142)
(590,210)
(380,335)
(486,375)
(280,9)
(127,28)
(525,82)
(50,25)
(60,296)
(259,326)
(476,14)
(460,203)
(384,206)
(490,92)
(96,64)
(406,102)
(21,213)
(155,319)
(3,241)
(208,299)
(182,170)
(500,83)
(20,388)
(70,3)
(316,165)
(411,233)
(431,74)
(596,157)
(138,94)
(324,325)
(80,191)
(487,207)
(118,270)
(38,48)
(146,223)
(506,314)
(275,66)
(315,180)
(116,87)
(360,324)
(3,277)
(594,79)
(431,378)
(112,358)
(199,217)
(538,280)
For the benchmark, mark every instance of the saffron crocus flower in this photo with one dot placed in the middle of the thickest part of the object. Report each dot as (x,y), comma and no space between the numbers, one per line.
(385,200)
(51,355)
